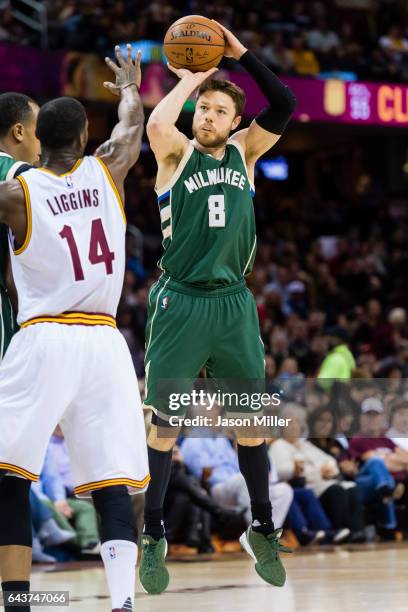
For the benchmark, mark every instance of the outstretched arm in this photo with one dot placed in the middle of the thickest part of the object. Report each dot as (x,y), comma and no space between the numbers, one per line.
(165,139)
(122,150)
(267,128)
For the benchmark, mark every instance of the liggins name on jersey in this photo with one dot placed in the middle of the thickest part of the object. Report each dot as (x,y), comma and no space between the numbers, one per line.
(83,198)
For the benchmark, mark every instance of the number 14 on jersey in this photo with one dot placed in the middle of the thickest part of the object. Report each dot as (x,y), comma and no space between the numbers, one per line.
(99,251)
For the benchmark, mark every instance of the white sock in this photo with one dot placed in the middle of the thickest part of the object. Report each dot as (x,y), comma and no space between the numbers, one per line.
(120,558)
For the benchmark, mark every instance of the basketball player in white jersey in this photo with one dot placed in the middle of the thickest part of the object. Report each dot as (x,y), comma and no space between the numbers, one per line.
(69,364)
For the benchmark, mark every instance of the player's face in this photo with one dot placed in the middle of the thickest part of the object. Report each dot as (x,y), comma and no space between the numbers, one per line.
(30,145)
(214,119)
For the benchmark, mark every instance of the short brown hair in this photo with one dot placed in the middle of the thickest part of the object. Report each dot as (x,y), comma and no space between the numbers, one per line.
(233,91)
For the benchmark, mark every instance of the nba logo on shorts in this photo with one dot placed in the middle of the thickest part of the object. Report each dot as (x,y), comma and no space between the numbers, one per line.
(112,552)
(69,182)
(165,303)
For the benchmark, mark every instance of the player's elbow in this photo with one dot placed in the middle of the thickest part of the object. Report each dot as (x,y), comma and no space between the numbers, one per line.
(156,128)
(287,102)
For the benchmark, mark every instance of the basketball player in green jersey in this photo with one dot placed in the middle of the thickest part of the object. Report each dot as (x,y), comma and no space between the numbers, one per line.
(200,311)
(18,118)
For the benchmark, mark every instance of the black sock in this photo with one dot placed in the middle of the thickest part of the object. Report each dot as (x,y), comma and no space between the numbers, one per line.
(16,586)
(15,512)
(254,466)
(160,468)
(114,507)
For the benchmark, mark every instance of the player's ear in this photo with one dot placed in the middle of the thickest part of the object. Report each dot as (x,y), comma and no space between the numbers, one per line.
(83,137)
(17,132)
(236,122)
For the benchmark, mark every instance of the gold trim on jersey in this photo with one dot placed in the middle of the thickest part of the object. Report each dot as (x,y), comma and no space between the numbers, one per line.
(74,318)
(74,167)
(9,467)
(113,185)
(101,484)
(29,230)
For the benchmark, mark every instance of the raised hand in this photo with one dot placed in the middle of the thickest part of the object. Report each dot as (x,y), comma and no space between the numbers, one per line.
(127,72)
(195,77)
(233,47)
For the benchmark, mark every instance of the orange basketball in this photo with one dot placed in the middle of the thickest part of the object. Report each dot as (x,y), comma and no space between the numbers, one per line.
(195,43)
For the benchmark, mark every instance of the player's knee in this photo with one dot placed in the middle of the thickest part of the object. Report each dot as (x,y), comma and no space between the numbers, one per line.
(159,438)
(114,507)
(15,513)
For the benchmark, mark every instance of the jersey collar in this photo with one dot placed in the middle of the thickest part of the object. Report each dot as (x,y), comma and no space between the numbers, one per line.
(209,154)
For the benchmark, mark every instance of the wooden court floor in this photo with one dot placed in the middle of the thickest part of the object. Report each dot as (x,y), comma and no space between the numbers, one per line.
(354,580)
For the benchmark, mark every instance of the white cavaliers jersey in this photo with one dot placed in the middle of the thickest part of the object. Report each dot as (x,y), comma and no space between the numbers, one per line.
(73,258)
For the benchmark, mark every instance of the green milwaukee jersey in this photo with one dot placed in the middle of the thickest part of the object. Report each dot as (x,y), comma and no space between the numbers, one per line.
(207,218)
(9,168)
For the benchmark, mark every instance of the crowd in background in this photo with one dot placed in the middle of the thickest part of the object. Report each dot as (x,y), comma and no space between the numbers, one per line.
(366,39)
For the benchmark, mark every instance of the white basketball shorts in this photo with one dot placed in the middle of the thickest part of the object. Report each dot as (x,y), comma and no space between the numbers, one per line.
(81,377)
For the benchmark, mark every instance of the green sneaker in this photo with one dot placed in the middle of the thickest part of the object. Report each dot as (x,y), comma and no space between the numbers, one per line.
(265,552)
(153,573)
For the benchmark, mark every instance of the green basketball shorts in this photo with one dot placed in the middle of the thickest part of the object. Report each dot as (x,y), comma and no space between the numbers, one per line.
(191,328)
(8,325)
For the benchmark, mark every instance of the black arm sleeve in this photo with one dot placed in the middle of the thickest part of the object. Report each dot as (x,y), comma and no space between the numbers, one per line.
(282,102)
